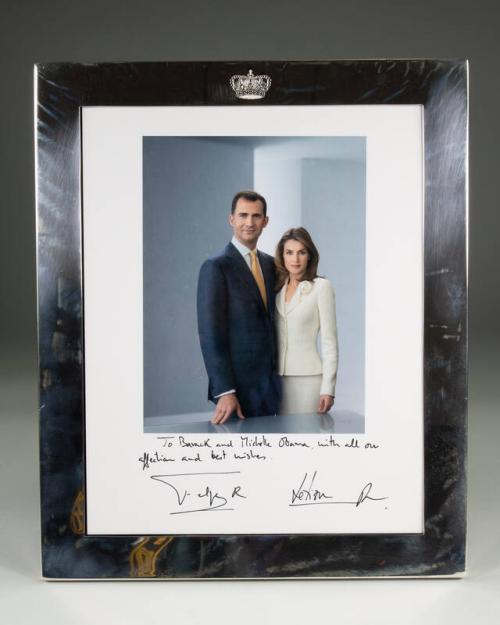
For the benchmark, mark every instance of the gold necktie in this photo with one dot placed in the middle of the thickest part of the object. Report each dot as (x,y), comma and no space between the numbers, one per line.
(257,274)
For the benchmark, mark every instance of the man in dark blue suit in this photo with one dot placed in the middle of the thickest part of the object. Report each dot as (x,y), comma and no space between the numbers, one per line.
(236,318)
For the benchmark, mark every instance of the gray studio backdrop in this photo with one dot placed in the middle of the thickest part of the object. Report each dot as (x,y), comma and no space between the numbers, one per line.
(188,185)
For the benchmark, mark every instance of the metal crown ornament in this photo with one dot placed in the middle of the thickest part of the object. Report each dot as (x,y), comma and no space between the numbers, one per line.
(250,87)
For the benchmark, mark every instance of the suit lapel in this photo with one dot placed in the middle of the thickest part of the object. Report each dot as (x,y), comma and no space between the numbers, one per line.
(244,272)
(285,308)
(294,302)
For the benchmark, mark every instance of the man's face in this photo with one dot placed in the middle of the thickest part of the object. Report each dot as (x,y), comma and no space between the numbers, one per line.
(248,221)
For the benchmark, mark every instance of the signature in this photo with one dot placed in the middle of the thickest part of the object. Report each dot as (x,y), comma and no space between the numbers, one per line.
(204,498)
(307,495)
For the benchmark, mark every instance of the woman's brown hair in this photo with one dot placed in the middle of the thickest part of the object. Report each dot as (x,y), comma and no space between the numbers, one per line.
(302,236)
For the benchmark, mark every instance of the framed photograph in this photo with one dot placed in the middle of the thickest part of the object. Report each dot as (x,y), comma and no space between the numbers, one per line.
(252,286)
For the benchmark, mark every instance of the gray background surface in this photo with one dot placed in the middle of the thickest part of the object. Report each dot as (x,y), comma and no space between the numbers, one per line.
(64,30)
(188,185)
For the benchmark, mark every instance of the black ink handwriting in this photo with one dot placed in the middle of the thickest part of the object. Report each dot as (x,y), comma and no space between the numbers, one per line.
(216,499)
(307,495)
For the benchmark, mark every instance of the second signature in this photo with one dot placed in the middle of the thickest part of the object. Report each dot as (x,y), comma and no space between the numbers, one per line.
(308,495)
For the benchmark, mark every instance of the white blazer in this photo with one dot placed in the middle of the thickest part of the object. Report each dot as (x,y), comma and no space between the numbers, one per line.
(310,311)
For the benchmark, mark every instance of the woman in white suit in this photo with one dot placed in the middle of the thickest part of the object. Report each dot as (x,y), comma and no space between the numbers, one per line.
(305,306)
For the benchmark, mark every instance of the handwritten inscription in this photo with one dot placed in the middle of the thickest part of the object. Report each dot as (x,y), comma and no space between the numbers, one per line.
(221,491)
(147,459)
(249,448)
(195,492)
(308,495)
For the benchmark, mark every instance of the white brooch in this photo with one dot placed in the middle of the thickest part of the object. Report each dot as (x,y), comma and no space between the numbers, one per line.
(305,287)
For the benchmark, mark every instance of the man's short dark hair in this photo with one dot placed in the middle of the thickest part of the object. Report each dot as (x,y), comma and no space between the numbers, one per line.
(251,196)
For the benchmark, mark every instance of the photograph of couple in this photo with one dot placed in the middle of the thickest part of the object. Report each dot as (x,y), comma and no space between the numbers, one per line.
(253,318)
(259,318)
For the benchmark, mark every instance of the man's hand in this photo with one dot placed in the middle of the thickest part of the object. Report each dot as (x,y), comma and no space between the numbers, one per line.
(226,405)
(325,403)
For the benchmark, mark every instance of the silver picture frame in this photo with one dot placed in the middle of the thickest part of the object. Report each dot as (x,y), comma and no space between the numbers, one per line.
(68,552)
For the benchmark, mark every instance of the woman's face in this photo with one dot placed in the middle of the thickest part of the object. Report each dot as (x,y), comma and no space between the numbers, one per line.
(295,257)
